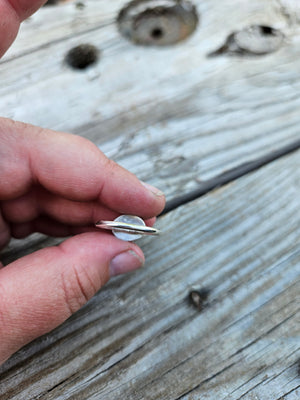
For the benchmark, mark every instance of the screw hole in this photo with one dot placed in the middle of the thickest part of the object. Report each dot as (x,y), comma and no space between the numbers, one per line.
(158,22)
(157,33)
(266,30)
(82,56)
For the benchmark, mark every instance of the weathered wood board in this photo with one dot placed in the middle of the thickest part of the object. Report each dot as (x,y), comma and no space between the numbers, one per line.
(173,115)
(139,338)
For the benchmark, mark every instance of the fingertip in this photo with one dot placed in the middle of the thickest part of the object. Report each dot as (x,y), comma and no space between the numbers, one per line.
(153,189)
(127,261)
(106,254)
(152,201)
(150,221)
(158,198)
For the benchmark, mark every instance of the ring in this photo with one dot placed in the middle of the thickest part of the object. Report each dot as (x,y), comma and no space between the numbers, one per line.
(128,227)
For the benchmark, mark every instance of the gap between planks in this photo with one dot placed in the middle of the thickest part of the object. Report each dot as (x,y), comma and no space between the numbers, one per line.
(229,176)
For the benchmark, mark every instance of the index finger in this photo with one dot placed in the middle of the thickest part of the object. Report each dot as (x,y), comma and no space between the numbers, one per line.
(12,13)
(72,167)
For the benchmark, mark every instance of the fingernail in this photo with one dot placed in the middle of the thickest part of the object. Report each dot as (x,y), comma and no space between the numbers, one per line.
(125,262)
(153,189)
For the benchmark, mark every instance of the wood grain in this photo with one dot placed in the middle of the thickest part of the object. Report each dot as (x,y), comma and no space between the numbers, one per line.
(176,118)
(173,116)
(140,338)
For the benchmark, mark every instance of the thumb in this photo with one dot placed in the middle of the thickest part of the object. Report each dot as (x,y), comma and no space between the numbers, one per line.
(40,291)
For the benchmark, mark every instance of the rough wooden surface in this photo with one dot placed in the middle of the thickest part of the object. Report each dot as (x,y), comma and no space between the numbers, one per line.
(176,118)
(172,115)
(139,338)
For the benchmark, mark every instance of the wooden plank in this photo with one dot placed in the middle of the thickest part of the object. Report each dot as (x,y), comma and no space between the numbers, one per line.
(98,14)
(140,338)
(173,116)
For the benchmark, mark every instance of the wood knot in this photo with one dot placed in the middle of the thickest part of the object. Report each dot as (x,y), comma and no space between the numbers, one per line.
(157,22)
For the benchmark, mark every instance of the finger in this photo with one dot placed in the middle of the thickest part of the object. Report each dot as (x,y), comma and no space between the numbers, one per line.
(41,202)
(24,8)
(12,13)
(49,227)
(37,203)
(41,290)
(71,167)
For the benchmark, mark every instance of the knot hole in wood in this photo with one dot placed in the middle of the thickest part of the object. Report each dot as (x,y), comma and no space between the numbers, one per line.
(82,56)
(252,40)
(198,298)
(157,22)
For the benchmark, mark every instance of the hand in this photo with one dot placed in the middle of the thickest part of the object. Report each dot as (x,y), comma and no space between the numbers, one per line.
(58,184)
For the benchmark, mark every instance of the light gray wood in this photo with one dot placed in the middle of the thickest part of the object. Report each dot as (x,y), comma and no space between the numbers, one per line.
(139,338)
(173,116)
(44,27)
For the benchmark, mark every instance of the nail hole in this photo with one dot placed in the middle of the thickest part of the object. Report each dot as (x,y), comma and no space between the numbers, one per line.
(157,22)
(199,297)
(82,56)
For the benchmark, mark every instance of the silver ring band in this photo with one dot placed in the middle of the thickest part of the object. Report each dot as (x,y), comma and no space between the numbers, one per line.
(127,228)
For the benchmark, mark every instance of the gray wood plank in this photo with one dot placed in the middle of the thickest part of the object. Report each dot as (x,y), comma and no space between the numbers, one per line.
(173,116)
(44,27)
(140,338)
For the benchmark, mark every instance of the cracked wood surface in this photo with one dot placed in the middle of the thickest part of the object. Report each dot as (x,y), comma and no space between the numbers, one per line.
(173,116)
(176,118)
(140,338)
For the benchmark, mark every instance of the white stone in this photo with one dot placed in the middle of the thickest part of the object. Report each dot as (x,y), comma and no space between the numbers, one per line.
(128,219)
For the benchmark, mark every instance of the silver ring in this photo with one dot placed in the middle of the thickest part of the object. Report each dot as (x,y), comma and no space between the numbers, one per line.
(128,227)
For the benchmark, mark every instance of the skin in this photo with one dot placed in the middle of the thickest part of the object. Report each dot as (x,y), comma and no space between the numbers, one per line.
(58,184)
